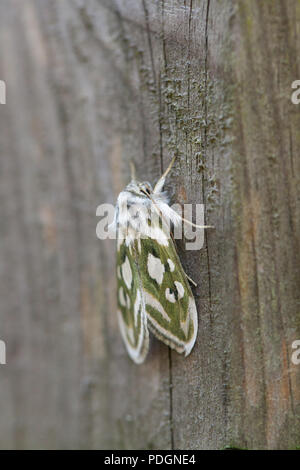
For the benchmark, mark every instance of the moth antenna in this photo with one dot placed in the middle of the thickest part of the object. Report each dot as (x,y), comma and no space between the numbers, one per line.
(132,170)
(160,183)
(169,168)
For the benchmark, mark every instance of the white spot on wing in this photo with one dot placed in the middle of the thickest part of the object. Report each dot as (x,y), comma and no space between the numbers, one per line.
(171,265)
(122,297)
(180,289)
(155,268)
(127,273)
(192,317)
(170,296)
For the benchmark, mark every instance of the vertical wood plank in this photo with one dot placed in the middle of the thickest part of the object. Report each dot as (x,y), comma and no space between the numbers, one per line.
(91,85)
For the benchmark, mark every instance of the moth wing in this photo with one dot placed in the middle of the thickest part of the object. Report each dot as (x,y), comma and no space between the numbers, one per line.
(131,304)
(169,301)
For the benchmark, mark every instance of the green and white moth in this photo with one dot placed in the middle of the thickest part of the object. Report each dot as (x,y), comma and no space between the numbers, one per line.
(153,290)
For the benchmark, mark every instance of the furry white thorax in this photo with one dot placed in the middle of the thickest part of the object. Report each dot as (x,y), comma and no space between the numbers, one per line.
(138,212)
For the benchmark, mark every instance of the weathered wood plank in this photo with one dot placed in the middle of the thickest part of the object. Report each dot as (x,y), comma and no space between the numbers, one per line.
(91,85)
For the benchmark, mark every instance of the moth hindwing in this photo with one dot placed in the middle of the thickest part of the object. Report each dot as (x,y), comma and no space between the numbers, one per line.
(153,290)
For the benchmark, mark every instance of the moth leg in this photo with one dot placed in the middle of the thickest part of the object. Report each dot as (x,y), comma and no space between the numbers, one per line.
(195,225)
(191,280)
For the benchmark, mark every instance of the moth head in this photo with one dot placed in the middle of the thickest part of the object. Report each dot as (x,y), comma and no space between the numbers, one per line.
(143,189)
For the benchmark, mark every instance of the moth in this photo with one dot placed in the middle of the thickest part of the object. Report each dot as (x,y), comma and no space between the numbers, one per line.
(152,288)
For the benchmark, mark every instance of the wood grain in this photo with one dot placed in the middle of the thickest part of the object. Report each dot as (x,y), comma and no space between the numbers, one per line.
(91,85)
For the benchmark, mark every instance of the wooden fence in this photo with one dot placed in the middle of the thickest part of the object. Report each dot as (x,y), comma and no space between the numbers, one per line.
(89,86)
